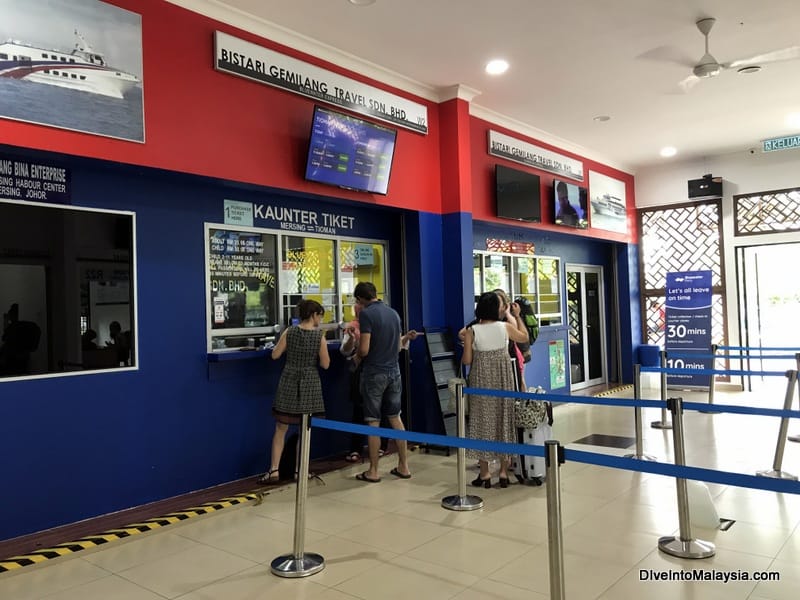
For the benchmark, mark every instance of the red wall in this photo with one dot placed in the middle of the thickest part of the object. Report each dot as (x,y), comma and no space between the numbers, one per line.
(201,121)
(483,201)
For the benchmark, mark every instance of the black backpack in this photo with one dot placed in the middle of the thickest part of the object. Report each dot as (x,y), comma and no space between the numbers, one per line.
(531,324)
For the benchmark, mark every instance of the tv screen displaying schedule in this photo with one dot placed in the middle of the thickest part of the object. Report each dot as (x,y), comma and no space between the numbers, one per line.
(348,152)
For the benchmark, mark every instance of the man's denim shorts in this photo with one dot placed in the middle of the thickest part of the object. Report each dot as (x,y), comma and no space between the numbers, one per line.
(380,392)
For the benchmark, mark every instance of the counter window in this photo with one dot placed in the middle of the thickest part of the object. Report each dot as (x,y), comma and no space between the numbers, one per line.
(257,277)
(242,301)
(537,278)
(308,271)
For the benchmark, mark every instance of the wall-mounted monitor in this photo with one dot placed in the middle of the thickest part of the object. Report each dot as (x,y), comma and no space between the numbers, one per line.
(349,152)
(569,204)
(517,194)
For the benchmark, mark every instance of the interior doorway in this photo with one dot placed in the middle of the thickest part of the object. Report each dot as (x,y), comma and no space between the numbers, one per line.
(769,303)
(586,318)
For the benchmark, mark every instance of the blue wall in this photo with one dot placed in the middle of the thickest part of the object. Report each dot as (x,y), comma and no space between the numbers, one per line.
(575,249)
(109,441)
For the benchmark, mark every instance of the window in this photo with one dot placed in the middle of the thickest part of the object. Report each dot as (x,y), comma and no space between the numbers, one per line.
(360,261)
(3,56)
(66,289)
(257,277)
(242,298)
(537,278)
(308,272)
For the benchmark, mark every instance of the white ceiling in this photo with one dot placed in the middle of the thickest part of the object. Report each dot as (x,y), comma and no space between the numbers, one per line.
(571,60)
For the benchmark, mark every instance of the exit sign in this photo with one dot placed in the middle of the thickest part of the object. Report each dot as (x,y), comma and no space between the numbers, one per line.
(782,143)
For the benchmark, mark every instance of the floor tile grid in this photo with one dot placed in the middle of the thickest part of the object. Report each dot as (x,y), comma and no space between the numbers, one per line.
(400,535)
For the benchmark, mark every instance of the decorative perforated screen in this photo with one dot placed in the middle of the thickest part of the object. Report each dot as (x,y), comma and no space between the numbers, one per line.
(680,238)
(767,212)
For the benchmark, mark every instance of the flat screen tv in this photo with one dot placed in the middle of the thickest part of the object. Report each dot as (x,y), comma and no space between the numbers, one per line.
(569,204)
(349,152)
(517,194)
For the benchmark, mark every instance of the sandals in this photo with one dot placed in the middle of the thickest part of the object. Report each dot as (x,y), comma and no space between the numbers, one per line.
(354,457)
(363,477)
(268,479)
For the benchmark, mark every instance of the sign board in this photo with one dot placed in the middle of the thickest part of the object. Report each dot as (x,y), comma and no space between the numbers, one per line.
(34,180)
(688,325)
(786,142)
(248,60)
(524,153)
(238,213)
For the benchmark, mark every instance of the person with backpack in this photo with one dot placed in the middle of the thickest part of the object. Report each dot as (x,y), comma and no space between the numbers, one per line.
(531,325)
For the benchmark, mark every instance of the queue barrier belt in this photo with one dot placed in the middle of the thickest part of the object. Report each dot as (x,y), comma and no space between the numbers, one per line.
(671,371)
(628,402)
(671,354)
(594,458)
(759,348)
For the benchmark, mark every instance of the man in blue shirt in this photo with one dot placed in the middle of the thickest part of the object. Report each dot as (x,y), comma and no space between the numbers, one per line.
(379,346)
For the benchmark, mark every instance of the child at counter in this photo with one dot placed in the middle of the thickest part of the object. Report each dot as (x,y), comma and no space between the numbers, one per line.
(299,388)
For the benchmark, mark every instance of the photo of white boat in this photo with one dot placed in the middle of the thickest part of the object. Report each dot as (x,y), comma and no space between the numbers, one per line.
(72,64)
(82,68)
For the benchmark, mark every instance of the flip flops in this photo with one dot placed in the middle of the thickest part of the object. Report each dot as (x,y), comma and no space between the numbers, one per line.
(397,473)
(363,477)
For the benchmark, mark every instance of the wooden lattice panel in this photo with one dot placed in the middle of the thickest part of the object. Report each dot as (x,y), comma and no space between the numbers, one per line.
(768,212)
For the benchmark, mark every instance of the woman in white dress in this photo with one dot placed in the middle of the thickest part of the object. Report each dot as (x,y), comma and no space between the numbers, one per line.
(491,418)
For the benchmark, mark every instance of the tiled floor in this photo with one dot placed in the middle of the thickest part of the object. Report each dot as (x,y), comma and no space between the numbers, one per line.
(393,540)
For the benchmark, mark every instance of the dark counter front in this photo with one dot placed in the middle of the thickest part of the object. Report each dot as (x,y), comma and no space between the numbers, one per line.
(260,375)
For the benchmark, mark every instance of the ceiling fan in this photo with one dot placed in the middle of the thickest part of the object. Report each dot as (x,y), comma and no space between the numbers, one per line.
(709,67)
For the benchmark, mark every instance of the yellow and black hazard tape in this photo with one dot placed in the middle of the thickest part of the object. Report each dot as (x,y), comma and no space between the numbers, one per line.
(622,388)
(92,541)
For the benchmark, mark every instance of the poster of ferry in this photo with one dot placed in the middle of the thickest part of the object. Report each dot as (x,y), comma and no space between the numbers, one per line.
(73,64)
(609,209)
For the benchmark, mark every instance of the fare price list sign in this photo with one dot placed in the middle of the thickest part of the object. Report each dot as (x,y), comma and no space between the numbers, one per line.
(237,263)
(688,324)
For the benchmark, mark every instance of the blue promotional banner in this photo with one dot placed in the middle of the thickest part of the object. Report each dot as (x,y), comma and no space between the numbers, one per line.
(688,324)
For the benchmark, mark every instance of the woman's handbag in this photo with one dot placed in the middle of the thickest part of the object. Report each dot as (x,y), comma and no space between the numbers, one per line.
(529,414)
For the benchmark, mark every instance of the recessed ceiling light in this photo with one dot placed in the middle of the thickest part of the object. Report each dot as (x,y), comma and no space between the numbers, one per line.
(362,2)
(668,151)
(601,118)
(496,67)
(793,120)
(750,69)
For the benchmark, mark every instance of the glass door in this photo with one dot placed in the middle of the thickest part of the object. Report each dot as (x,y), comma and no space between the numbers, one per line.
(585,310)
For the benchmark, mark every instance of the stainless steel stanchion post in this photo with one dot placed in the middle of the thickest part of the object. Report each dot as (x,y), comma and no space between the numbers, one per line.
(300,563)
(637,416)
(796,438)
(663,423)
(684,546)
(712,383)
(462,501)
(776,472)
(554,458)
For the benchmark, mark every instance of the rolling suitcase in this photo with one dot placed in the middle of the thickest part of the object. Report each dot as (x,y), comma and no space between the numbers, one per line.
(530,470)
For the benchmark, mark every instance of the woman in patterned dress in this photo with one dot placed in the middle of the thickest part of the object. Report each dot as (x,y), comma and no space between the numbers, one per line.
(299,389)
(486,350)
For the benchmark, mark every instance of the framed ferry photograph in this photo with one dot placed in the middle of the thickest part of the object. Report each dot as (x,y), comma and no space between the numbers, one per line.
(72,64)
(607,204)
